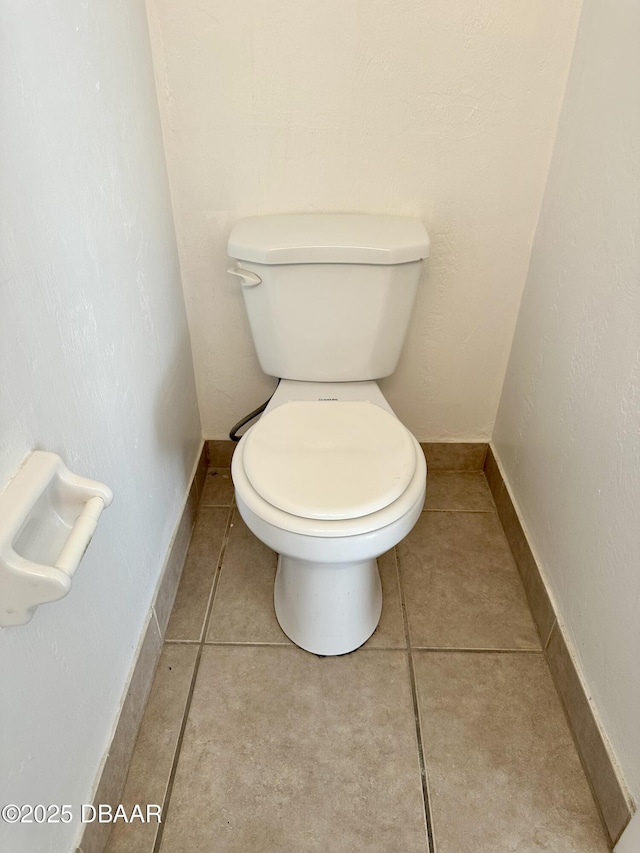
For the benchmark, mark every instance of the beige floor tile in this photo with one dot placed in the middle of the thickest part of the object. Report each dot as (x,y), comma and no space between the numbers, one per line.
(290,753)
(243,609)
(454,456)
(461,586)
(218,488)
(457,490)
(189,610)
(390,630)
(504,776)
(221,452)
(612,796)
(155,748)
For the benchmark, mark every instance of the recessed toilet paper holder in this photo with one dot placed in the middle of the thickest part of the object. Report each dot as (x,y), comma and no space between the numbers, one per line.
(48,516)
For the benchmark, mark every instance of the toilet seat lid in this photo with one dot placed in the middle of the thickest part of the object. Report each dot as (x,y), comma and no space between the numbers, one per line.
(329,460)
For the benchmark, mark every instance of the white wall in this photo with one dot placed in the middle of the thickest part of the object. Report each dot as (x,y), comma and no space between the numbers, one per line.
(568,427)
(96,365)
(441,110)
(630,839)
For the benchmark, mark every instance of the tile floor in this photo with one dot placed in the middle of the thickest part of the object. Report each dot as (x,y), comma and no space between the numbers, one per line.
(444,732)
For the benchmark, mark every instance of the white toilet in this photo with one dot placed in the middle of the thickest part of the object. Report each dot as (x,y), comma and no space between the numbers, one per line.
(328,477)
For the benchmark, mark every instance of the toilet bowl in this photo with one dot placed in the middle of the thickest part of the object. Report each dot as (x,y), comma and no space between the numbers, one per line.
(330,479)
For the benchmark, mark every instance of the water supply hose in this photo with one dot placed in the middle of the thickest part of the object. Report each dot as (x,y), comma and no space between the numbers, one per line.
(248,418)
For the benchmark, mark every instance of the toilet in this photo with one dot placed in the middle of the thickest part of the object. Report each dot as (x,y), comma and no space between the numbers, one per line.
(328,477)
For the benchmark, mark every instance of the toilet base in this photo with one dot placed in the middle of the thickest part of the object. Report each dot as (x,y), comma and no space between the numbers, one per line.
(327,608)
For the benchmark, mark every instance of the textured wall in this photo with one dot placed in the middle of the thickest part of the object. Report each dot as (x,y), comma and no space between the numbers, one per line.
(568,428)
(96,366)
(630,840)
(442,110)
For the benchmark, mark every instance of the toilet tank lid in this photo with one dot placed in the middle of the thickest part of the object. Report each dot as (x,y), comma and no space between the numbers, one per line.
(330,238)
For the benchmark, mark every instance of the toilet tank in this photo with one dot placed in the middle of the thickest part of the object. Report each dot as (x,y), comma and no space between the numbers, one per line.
(335,294)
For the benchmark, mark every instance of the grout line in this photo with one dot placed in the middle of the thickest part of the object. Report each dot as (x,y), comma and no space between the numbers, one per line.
(176,754)
(182,642)
(274,645)
(216,577)
(475,511)
(291,645)
(433,470)
(187,708)
(215,506)
(464,650)
(428,818)
(474,471)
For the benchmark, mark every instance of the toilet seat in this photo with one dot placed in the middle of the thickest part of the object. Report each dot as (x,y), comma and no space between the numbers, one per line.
(330,461)
(270,517)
